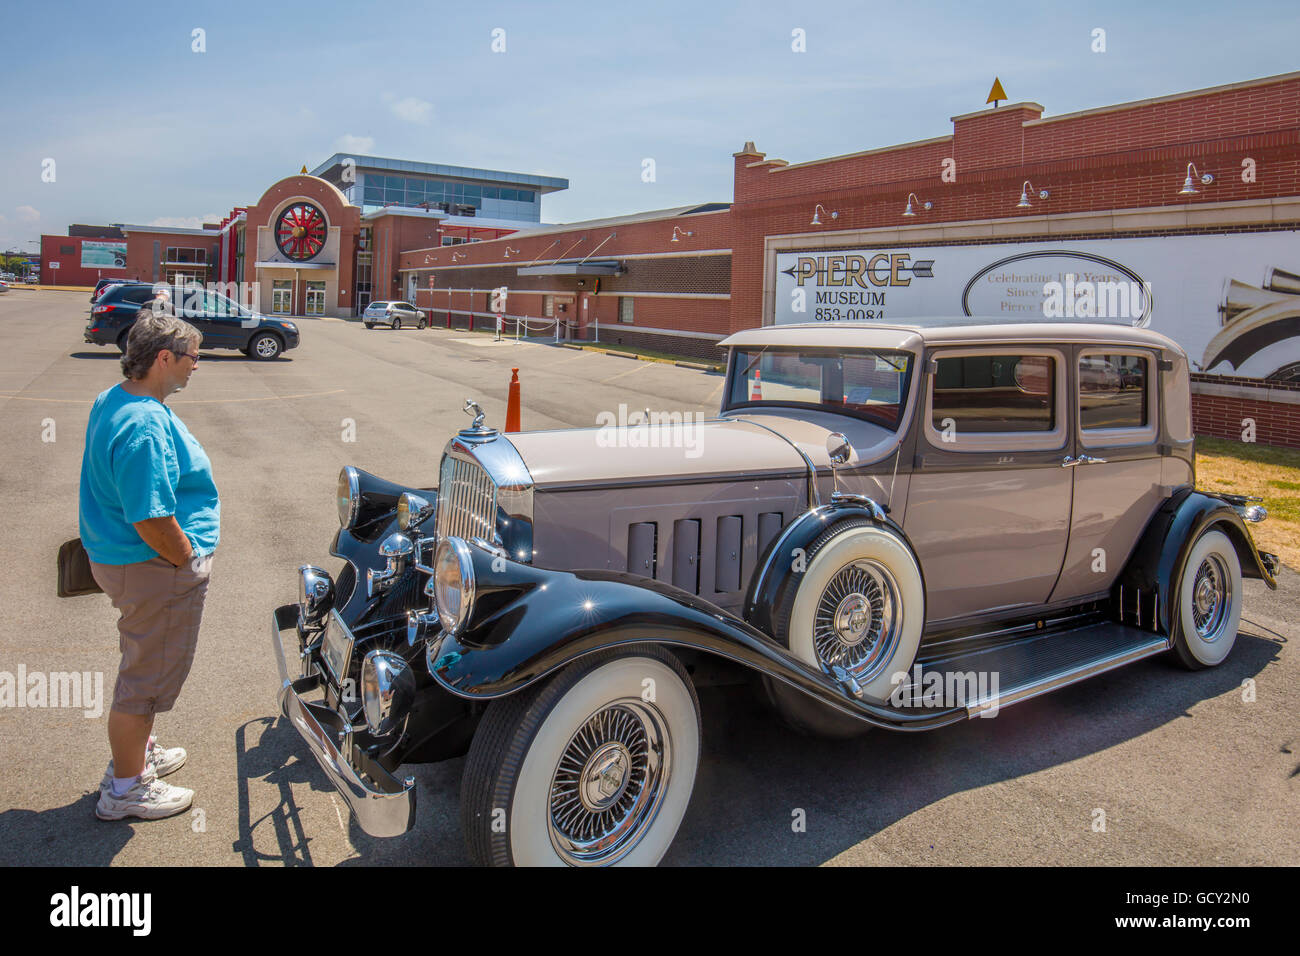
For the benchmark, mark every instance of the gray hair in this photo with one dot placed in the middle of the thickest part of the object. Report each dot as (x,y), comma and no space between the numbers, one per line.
(156,328)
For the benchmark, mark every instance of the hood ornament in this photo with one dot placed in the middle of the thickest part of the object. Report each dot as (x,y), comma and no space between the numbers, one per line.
(477,431)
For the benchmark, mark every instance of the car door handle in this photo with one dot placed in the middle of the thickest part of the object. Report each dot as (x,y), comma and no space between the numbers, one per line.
(1069,461)
(1089,460)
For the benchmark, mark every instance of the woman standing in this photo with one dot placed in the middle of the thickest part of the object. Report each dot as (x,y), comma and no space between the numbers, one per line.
(150,520)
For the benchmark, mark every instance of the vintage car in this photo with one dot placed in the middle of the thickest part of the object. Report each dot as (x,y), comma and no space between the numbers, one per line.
(885,526)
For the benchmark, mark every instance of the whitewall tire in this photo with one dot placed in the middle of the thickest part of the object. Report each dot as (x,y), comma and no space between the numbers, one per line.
(859,608)
(594,767)
(1209,603)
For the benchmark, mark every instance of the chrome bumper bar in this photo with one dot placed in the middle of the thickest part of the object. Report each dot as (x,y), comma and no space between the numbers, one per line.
(383,805)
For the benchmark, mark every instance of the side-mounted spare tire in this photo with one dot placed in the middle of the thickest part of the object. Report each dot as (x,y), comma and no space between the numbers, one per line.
(858,612)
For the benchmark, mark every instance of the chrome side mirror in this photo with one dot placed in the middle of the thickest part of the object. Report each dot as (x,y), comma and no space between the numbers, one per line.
(838,447)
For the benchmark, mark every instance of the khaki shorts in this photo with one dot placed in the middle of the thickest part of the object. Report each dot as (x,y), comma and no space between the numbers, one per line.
(161,606)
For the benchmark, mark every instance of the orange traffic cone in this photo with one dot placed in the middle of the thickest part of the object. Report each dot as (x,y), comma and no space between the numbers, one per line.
(757,394)
(512,403)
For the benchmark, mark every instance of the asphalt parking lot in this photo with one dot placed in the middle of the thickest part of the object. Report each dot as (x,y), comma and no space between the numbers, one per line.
(1184,768)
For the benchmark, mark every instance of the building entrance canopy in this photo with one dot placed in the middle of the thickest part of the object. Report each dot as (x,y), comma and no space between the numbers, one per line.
(608,268)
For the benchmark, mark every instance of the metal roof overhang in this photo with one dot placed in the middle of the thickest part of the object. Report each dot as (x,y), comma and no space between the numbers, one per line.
(606,268)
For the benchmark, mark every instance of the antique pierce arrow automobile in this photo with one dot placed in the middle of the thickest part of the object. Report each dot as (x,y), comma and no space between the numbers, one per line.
(897,527)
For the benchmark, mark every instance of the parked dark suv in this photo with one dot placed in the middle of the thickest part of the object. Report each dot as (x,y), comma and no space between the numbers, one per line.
(224,323)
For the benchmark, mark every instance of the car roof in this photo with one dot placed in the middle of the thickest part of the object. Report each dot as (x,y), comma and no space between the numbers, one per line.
(944,330)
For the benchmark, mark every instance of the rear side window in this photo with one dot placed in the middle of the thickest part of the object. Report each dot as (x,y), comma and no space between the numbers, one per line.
(137,295)
(1113,391)
(995,393)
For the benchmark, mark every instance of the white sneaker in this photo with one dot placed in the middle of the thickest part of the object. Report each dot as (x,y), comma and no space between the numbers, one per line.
(161,760)
(149,799)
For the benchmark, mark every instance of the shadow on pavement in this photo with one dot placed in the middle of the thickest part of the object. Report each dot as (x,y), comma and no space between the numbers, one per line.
(70,835)
(755,773)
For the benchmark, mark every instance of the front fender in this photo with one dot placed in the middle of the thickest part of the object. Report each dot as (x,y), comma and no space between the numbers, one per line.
(527,622)
(777,568)
(1157,563)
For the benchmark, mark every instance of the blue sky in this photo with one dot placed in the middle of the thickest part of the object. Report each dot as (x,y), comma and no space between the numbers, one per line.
(144,130)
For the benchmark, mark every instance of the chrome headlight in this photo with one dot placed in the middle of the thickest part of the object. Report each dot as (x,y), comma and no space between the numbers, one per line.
(452,583)
(387,691)
(349,496)
(315,593)
(412,510)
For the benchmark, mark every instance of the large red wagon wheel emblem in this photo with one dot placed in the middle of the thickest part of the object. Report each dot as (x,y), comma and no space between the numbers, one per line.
(300,231)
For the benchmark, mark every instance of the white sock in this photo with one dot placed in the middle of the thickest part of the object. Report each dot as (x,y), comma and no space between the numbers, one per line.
(122,784)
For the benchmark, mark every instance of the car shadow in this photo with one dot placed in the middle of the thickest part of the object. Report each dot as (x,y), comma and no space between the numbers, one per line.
(204,354)
(278,836)
(756,775)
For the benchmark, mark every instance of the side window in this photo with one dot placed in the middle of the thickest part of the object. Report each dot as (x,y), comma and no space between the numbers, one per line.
(138,295)
(1116,398)
(994,393)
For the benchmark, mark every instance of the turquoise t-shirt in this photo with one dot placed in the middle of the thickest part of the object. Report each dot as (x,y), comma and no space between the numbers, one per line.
(142,462)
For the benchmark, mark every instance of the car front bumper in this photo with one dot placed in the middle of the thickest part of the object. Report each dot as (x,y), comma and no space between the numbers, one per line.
(383,805)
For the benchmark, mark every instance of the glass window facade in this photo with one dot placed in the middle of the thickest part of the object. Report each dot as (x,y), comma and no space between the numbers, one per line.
(378,191)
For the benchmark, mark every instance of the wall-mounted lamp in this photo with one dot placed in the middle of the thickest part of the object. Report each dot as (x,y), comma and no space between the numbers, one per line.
(1189,184)
(676,230)
(1025,190)
(908,211)
(816,219)
(509,251)
(458,255)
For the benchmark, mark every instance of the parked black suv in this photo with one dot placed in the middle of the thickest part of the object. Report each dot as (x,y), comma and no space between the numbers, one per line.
(224,324)
(102,284)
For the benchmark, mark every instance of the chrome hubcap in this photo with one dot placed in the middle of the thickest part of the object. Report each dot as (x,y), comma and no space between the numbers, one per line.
(1210,598)
(605,777)
(857,622)
(609,783)
(265,347)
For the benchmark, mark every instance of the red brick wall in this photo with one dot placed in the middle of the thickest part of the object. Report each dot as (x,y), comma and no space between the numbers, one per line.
(1220,416)
(69,271)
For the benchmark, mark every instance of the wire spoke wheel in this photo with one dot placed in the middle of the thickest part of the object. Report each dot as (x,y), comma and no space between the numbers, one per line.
(1211,596)
(856,623)
(609,782)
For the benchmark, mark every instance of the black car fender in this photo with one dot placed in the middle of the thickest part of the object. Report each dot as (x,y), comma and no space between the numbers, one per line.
(1160,556)
(527,622)
(780,566)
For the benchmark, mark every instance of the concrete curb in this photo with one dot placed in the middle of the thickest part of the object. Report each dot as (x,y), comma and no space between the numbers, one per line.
(698,366)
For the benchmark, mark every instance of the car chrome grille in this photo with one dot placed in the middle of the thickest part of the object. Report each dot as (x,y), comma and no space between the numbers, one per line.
(467,501)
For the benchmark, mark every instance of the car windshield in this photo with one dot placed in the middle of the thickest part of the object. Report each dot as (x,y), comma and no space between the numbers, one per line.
(865,383)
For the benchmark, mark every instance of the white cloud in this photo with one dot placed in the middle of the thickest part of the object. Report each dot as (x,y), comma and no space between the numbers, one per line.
(412,110)
(347,143)
(185,222)
(28,214)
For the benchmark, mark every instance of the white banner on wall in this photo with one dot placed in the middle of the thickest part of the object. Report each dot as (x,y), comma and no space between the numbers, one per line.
(1231,301)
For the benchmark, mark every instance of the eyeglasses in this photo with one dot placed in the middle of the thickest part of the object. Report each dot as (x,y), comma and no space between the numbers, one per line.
(189,355)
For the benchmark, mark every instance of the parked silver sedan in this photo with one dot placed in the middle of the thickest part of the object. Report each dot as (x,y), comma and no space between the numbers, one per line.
(394,315)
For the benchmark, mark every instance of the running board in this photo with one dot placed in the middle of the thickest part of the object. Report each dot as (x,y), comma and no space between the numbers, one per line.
(1033,665)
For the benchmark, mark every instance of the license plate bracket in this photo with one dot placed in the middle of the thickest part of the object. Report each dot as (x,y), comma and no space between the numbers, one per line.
(336,647)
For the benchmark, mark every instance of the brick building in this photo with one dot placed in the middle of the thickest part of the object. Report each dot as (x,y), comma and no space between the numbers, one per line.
(1193,198)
